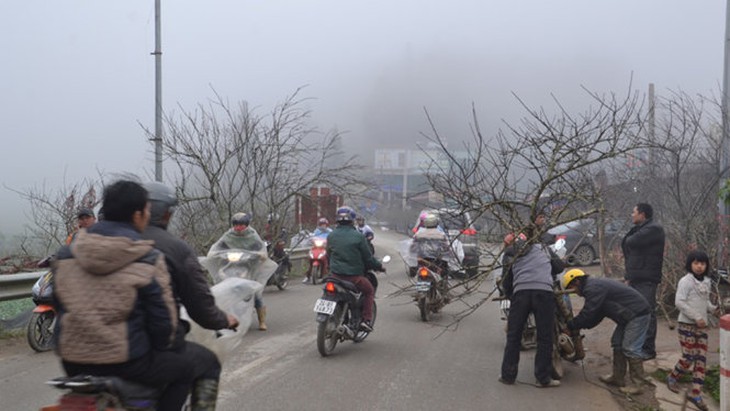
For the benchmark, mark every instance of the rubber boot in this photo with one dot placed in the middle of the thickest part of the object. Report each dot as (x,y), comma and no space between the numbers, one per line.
(619,370)
(204,395)
(636,377)
(261,313)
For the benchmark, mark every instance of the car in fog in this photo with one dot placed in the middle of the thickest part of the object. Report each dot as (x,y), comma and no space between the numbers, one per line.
(581,239)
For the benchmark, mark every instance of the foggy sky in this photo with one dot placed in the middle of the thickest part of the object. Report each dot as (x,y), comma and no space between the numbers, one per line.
(77,76)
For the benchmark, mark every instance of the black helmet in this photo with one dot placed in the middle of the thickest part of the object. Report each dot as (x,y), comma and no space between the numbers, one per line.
(241,219)
(345,214)
(162,198)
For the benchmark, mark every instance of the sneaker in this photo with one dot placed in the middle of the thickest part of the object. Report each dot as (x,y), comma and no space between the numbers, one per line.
(697,401)
(672,384)
(305,280)
(506,381)
(549,384)
(366,326)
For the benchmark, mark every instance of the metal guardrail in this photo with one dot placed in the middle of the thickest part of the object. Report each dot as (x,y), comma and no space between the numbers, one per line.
(15,286)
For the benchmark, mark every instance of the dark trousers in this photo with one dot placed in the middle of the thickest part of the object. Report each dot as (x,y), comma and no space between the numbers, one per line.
(542,305)
(364,285)
(205,363)
(648,290)
(171,371)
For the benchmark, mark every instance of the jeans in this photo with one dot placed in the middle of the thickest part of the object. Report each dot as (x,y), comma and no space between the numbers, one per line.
(630,337)
(648,290)
(542,305)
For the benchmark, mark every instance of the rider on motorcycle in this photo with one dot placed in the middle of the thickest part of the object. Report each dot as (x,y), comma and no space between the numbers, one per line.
(117,313)
(366,231)
(190,286)
(350,258)
(322,231)
(432,245)
(243,237)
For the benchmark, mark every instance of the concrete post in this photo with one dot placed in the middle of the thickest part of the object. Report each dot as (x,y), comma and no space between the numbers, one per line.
(725,363)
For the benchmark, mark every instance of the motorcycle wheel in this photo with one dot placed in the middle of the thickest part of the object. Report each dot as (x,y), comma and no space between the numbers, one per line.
(423,308)
(362,335)
(327,335)
(40,331)
(315,273)
(282,282)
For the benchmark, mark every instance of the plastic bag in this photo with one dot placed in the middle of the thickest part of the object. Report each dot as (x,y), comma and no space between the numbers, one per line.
(234,296)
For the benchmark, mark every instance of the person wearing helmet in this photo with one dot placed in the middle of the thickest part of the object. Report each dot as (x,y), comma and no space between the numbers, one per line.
(531,267)
(631,313)
(350,258)
(323,228)
(321,232)
(432,245)
(366,231)
(190,286)
(419,225)
(243,237)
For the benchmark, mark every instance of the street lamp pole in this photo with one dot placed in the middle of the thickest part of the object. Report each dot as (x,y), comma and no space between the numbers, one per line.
(158,94)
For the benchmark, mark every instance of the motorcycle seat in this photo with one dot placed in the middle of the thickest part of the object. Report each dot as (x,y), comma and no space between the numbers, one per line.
(127,391)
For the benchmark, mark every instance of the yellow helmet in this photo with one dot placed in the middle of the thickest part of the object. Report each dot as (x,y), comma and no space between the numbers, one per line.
(571,275)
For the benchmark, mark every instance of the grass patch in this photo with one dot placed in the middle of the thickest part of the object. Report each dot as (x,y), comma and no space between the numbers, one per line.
(712,380)
(10,309)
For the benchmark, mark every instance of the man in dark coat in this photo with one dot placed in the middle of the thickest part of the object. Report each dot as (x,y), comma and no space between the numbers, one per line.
(191,289)
(643,249)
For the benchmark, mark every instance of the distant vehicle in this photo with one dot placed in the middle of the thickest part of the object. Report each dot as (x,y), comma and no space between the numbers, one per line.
(459,225)
(581,239)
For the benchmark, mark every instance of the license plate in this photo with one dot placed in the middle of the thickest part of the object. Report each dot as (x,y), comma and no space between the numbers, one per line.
(325,306)
(423,286)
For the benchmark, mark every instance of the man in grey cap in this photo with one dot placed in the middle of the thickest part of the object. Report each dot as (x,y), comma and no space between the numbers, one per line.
(85,219)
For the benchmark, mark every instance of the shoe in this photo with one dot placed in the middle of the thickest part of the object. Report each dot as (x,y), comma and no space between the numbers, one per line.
(697,401)
(366,326)
(506,381)
(305,280)
(672,384)
(551,383)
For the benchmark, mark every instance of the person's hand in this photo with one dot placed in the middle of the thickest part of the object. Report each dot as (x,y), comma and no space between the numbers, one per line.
(701,323)
(232,322)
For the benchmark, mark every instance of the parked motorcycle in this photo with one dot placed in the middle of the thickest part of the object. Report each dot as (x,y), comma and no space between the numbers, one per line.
(339,313)
(93,393)
(280,278)
(317,258)
(43,319)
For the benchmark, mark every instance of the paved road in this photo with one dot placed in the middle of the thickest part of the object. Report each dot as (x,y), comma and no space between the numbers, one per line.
(404,365)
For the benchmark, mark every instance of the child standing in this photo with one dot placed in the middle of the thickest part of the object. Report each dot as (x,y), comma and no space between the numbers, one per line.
(693,301)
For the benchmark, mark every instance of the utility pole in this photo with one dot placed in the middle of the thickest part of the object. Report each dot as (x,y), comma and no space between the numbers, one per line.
(723,207)
(158,94)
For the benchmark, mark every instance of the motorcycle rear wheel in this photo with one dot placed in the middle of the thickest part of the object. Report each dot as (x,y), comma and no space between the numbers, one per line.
(40,331)
(423,308)
(327,335)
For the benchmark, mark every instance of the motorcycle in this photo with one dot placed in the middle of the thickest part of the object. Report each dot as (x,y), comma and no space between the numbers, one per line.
(280,278)
(339,313)
(432,287)
(86,392)
(318,257)
(40,331)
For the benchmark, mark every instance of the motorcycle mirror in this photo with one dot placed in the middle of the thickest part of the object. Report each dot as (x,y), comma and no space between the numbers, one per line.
(386,259)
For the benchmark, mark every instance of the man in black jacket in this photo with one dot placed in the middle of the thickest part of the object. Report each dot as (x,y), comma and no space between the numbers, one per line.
(628,309)
(643,248)
(191,289)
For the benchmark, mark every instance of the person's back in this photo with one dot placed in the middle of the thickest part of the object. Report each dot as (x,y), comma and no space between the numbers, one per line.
(112,291)
(612,299)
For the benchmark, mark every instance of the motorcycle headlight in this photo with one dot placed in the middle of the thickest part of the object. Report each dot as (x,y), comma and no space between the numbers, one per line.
(319,243)
(234,256)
